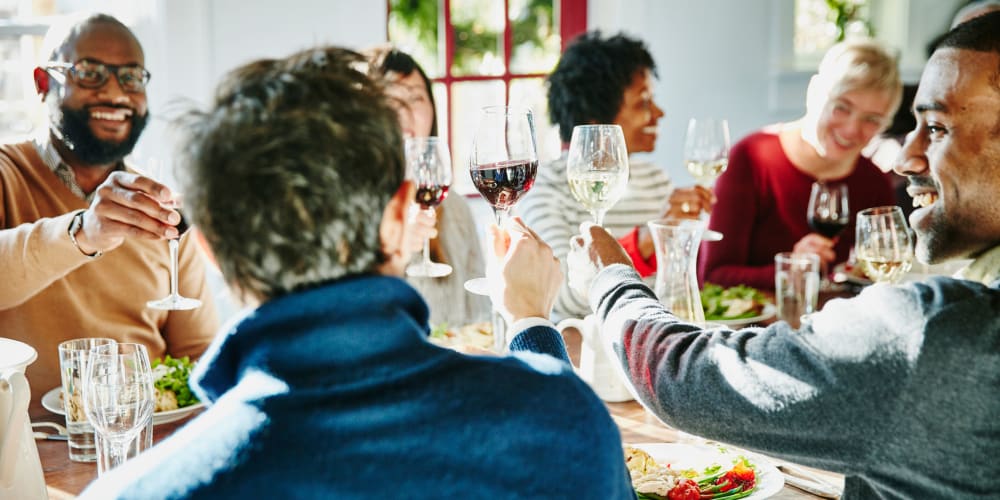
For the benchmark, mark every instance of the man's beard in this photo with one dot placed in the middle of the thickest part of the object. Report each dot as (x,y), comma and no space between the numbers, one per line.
(80,139)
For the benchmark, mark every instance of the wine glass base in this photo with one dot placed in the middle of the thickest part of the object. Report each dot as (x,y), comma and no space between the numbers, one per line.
(174,303)
(428,270)
(478,286)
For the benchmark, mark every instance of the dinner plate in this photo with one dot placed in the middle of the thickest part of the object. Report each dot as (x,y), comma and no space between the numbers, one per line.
(765,314)
(699,456)
(52,402)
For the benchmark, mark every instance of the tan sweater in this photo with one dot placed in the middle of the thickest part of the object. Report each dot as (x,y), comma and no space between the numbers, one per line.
(50,292)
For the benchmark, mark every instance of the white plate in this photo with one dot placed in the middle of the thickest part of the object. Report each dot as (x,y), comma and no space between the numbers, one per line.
(698,457)
(767,313)
(51,402)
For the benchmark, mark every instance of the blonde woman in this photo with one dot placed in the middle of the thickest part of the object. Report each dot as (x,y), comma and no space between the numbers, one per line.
(763,195)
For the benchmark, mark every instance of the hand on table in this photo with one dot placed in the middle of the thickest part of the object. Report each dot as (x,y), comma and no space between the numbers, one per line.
(524,275)
(589,253)
(127,205)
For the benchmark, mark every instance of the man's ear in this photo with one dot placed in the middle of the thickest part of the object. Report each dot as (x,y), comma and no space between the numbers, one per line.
(41,82)
(392,229)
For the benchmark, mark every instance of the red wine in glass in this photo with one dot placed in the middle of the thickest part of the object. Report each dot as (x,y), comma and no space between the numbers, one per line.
(831,228)
(504,183)
(431,195)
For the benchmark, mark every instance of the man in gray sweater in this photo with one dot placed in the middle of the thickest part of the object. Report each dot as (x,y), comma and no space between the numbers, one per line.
(898,388)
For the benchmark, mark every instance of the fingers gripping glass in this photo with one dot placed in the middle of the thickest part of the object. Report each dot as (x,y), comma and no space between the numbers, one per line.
(93,75)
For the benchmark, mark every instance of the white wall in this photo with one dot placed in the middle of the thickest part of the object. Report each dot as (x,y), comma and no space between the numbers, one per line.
(729,58)
(193,43)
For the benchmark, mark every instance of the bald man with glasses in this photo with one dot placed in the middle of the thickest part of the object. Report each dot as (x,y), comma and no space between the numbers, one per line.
(81,234)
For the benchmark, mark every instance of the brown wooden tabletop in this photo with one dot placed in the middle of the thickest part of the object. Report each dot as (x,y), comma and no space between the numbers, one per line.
(66,479)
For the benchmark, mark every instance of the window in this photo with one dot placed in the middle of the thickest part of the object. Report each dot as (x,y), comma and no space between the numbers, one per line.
(486,52)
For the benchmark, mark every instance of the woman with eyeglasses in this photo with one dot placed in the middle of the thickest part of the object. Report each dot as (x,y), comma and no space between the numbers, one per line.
(763,195)
(456,243)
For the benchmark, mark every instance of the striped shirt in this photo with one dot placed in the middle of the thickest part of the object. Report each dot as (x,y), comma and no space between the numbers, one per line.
(552,212)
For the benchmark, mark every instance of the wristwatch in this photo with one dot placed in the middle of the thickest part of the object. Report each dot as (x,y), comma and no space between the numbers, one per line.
(74,227)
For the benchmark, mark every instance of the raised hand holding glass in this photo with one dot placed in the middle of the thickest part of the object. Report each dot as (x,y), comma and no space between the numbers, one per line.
(428,165)
(161,171)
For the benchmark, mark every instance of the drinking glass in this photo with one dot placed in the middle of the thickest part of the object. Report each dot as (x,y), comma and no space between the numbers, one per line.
(428,164)
(161,171)
(118,395)
(597,167)
(883,244)
(706,149)
(706,155)
(828,214)
(503,164)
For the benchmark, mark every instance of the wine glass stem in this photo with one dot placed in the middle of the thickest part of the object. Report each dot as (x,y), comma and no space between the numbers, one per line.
(500,214)
(173,245)
(427,252)
(598,217)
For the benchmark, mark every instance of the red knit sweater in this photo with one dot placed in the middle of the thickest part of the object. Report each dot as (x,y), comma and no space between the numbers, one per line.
(761,210)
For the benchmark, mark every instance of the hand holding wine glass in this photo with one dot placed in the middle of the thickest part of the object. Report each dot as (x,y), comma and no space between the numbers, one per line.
(174,300)
(118,395)
(428,164)
(883,246)
(597,167)
(503,164)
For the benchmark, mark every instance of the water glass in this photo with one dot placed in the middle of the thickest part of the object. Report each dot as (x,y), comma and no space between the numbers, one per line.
(796,285)
(73,355)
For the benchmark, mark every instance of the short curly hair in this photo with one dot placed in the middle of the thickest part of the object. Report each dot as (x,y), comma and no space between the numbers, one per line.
(291,169)
(589,82)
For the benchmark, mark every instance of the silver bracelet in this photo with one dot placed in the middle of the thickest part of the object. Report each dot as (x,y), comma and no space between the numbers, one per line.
(74,227)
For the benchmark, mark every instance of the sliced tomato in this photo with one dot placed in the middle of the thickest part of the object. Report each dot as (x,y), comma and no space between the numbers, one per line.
(686,489)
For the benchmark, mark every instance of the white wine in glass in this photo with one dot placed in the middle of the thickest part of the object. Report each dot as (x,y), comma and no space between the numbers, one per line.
(428,165)
(883,244)
(706,149)
(597,167)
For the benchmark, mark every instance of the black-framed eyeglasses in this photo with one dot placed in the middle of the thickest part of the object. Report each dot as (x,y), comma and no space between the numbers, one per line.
(93,75)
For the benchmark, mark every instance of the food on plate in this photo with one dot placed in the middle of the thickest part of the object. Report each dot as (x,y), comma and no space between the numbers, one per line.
(170,383)
(479,335)
(652,480)
(736,302)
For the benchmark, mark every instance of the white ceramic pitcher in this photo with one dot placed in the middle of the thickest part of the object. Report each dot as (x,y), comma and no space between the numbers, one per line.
(21,475)
(595,367)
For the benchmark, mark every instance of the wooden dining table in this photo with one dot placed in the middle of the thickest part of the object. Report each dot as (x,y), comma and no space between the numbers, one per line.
(65,479)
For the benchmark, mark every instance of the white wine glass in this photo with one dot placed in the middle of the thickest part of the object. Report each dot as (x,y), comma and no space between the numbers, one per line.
(428,164)
(597,167)
(163,173)
(118,395)
(503,164)
(706,149)
(706,155)
(883,244)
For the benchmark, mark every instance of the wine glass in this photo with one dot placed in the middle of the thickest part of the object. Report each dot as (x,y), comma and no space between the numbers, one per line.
(503,164)
(883,245)
(828,214)
(118,395)
(428,164)
(706,149)
(706,155)
(160,170)
(597,167)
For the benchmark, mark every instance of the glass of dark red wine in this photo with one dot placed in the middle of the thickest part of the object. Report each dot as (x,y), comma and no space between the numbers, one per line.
(503,164)
(174,301)
(428,165)
(828,213)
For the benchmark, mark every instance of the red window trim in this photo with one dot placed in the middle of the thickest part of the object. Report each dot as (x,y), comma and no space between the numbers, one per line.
(572,22)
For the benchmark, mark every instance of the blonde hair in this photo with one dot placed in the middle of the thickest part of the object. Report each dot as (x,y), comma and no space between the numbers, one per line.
(859,64)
